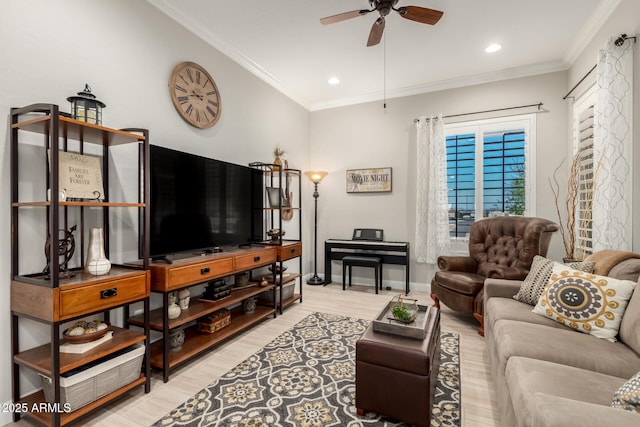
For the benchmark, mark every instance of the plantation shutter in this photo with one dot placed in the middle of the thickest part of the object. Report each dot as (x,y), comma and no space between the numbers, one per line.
(584,208)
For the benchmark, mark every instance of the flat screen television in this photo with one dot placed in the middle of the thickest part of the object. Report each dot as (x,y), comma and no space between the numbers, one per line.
(199,204)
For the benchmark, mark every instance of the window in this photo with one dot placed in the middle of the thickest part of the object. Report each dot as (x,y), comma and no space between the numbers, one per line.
(489,170)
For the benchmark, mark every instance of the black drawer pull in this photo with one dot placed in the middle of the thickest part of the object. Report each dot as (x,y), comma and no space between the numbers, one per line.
(108,293)
(256,258)
(205,270)
(293,250)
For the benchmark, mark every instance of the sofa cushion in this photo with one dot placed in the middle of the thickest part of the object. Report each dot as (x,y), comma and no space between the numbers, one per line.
(526,377)
(586,302)
(563,346)
(628,395)
(539,276)
(510,309)
(629,269)
(554,411)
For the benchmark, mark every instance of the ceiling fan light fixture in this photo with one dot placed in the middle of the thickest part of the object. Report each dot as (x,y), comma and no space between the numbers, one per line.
(492,48)
(333,80)
(419,14)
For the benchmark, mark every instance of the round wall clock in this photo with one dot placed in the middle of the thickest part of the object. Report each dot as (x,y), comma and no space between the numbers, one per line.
(195,95)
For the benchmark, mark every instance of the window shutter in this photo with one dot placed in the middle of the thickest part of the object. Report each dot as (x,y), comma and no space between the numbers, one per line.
(584,208)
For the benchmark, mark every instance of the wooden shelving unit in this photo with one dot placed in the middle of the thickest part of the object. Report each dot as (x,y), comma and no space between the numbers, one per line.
(184,273)
(52,300)
(196,342)
(278,178)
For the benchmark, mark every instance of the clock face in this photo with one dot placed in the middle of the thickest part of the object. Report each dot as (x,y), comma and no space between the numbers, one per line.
(195,95)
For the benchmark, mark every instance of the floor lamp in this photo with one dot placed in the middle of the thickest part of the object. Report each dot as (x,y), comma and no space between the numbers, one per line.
(315,177)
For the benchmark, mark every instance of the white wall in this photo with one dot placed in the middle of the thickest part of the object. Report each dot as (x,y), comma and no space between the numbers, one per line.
(126,50)
(368,136)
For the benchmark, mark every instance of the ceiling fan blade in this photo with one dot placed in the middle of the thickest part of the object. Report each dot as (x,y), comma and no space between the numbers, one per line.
(420,14)
(343,16)
(376,32)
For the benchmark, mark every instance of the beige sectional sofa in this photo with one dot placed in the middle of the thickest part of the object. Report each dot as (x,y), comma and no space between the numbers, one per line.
(547,374)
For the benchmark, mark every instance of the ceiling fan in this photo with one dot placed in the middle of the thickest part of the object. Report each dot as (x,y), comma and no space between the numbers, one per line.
(384,7)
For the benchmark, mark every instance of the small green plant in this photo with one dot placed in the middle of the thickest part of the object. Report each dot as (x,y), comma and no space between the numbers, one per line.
(402,312)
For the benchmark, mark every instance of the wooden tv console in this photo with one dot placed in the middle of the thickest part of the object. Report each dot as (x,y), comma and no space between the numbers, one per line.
(182,273)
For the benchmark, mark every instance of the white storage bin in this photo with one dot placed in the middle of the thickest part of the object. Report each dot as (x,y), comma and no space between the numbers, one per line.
(91,384)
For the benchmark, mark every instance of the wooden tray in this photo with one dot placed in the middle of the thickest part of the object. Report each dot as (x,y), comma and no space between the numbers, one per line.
(385,322)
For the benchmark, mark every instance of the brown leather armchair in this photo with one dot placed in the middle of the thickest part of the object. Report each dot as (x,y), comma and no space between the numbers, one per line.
(501,247)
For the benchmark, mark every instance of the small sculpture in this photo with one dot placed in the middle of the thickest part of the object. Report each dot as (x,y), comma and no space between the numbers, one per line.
(249,305)
(184,296)
(176,339)
(66,248)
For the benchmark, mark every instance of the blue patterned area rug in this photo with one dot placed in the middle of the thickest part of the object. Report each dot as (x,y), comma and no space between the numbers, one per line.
(306,377)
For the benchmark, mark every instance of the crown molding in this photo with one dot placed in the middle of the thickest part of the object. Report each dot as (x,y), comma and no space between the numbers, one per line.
(600,15)
(166,7)
(506,74)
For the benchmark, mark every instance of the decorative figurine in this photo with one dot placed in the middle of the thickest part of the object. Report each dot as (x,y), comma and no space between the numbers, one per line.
(249,305)
(184,296)
(66,248)
(176,339)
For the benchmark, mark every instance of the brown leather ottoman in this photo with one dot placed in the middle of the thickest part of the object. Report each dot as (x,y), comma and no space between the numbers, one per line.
(396,376)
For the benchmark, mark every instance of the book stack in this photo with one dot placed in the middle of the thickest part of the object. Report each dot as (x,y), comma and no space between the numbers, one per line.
(216,290)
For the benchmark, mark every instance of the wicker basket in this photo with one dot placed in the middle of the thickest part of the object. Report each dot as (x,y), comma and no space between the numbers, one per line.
(90,384)
(214,321)
(287,292)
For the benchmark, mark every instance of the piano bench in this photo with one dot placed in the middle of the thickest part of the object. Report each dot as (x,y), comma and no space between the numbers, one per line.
(362,261)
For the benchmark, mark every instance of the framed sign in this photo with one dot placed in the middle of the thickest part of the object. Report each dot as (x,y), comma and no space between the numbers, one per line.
(80,176)
(369,180)
(277,198)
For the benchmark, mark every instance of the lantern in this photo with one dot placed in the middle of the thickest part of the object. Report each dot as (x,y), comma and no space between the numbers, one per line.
(85,107)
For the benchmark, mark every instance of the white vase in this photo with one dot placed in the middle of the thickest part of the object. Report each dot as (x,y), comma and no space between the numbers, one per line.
(173,310)
(97,263)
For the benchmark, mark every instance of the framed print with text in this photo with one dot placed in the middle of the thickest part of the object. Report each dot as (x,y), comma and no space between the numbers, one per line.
(377,180)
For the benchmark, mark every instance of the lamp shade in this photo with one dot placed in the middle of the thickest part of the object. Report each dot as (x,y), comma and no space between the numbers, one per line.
(316,176)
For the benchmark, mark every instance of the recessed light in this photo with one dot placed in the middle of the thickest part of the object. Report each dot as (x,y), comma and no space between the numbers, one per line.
(493,48)
(334,81)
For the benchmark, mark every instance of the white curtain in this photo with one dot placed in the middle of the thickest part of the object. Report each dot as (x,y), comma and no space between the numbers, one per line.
(432,206)
(612,148)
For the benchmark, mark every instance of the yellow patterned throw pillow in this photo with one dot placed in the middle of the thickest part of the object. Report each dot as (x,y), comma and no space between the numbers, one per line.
(585,302)
(628,396)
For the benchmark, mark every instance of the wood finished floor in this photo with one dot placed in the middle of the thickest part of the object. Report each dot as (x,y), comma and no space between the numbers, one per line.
(138,409)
